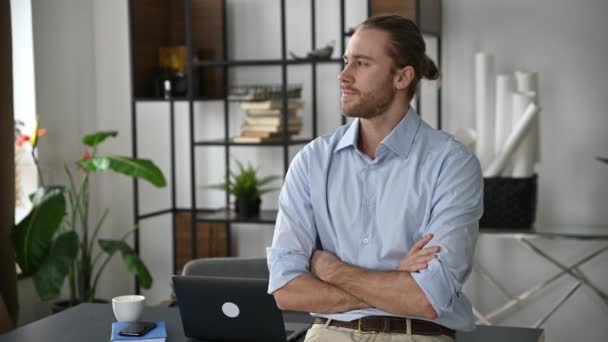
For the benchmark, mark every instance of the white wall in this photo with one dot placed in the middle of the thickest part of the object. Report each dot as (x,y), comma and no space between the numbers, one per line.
(113,112)
(562,40)
(65,80)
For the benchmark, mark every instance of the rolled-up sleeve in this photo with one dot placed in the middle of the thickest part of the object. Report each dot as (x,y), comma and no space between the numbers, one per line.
(295,233)
(457,206)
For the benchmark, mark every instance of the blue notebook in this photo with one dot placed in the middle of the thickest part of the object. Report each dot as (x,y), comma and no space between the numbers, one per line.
(158,334)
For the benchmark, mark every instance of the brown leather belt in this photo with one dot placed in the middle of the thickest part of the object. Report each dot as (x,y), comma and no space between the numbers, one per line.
(387,324)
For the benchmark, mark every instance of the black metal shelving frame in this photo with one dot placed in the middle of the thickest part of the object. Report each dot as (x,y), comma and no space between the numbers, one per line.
(200,215)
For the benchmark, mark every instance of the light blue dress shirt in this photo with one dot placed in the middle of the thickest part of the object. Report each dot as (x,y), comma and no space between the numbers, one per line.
(369,213)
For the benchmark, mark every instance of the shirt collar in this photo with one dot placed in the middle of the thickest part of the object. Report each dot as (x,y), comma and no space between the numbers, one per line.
(399,140)
(350,136)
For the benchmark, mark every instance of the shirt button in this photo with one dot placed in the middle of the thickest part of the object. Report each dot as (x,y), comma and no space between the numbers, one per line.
(372,165)
(365,241)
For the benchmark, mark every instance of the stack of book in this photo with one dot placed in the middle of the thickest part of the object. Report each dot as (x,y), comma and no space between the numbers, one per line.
(264,120)
(157,334)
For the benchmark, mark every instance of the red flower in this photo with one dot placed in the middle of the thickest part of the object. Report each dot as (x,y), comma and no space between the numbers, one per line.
(31,139)
(22,140)
(85,156)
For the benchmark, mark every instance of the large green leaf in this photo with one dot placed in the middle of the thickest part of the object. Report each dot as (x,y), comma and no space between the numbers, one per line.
(32,237)
(139,168)
(49,278)
(133,263)
(94,139)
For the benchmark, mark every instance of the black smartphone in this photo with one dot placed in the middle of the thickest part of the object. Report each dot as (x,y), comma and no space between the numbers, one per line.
(137,329)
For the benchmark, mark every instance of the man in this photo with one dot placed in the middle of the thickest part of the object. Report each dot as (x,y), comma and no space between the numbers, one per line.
(378,222)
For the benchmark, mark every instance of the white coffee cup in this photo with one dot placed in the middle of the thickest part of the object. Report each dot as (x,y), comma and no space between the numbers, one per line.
(128,308)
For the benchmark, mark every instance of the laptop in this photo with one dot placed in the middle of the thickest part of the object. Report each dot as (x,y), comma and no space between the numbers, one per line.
(232,309)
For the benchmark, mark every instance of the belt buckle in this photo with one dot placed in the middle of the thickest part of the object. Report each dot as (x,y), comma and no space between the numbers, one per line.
(371,332)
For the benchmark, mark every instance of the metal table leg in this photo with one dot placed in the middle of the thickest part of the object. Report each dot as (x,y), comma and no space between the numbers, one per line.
(577,273)
(561,302)
(572,270)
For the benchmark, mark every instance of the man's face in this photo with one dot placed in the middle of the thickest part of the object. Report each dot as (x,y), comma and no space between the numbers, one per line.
(367,78)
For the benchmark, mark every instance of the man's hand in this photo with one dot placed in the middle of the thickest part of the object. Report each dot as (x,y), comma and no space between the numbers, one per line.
(323,263)
(418,257)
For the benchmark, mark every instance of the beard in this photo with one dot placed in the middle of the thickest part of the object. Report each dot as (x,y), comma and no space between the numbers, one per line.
(370,104)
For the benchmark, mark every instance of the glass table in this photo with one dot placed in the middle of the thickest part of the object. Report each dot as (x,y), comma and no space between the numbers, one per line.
(526,237)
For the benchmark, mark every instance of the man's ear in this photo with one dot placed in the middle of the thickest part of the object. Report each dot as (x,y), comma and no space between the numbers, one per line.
(404,77)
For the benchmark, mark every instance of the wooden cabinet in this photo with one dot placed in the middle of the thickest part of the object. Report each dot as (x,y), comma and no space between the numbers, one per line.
(211,239)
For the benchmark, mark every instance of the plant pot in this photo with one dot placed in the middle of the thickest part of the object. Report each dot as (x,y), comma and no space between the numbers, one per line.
(247,208)
(66,304)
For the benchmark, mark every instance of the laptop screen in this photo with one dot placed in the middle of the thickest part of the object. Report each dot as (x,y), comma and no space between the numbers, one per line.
(228,309)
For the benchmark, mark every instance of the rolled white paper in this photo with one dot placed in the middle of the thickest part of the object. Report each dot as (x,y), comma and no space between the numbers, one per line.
(513,141)
(467,137)
(523,158)
(527,81)
(484,107)
(505,86)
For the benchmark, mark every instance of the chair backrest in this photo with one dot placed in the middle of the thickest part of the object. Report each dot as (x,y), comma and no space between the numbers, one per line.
(228,267)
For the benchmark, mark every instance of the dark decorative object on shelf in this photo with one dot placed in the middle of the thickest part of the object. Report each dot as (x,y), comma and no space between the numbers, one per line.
(317,54)
(247,208)
(157,82)
(178,84)
(509,202)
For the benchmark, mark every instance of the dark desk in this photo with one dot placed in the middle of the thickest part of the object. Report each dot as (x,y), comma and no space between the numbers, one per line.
(92,322)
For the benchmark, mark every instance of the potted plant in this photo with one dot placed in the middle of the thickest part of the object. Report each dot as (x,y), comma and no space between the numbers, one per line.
(247,189)
(55,240)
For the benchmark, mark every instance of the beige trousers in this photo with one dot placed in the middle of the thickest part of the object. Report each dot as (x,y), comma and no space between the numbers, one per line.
(322,333)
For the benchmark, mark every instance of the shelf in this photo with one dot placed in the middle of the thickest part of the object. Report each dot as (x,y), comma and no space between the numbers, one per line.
(224,142)
(262,62)
(266,216)
(154,214)
(175,99)
(200,27)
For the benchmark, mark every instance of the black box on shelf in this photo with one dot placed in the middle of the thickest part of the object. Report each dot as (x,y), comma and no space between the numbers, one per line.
(509,202)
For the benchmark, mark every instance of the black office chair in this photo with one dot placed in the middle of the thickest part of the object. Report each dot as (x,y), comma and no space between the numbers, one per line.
(227,267)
